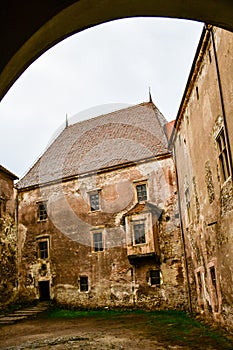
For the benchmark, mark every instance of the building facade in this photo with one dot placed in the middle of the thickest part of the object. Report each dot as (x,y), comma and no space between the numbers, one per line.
(8,238)
(98,216)
(202,143)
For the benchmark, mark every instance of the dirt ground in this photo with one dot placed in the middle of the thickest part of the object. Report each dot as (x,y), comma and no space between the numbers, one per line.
(83,333)
(126,333)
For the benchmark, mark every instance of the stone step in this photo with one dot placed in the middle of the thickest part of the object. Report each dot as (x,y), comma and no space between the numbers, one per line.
(19,315)
(12,318)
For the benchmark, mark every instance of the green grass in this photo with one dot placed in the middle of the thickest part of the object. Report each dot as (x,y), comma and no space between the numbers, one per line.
(171,327)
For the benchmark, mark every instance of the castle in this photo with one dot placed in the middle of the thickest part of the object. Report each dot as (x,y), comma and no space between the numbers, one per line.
(127,210)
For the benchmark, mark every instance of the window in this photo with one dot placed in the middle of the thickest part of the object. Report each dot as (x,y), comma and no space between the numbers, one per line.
(213,277)
(83,284)
(43,249)
(141,192)
(154,277)
(42,211)
(139,233)
(98,242)
(223,156)
(210,58)
(197,92)
(94,201)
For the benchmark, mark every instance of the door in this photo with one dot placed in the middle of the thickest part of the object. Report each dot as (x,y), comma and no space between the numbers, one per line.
(44,290)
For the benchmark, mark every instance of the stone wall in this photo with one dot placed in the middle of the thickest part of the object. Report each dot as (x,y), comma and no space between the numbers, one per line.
(113,280)
(8,241)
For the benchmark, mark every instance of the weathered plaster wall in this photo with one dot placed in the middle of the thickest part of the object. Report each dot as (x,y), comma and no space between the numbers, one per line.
(113,281)
(206,200)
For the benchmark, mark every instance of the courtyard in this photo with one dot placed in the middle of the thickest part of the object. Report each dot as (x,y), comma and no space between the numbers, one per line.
(107,329)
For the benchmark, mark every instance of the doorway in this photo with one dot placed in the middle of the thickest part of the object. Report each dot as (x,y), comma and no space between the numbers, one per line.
(44,290)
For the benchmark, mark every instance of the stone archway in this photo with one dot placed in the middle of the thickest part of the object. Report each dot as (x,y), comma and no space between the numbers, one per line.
(31,28)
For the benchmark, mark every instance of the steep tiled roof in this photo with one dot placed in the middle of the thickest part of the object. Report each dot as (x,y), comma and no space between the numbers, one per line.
(128,135)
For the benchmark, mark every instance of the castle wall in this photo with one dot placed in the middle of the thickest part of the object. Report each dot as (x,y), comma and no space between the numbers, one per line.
(206,196)
(74,259)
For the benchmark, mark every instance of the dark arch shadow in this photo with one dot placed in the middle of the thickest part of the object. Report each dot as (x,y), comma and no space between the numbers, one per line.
(29,28)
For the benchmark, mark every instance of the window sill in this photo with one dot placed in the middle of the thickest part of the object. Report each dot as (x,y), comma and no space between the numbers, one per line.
(94,211)
(139,244)
(155,285)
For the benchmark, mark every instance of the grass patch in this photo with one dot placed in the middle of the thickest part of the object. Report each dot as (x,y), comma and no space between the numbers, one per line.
(64,313)
(169,327)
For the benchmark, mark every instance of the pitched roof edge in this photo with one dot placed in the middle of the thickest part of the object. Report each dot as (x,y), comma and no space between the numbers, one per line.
(99,171)
(200,52)
(8,173)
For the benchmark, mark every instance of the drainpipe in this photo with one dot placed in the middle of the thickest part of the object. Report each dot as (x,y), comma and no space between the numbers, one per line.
(210,29)
(183,237)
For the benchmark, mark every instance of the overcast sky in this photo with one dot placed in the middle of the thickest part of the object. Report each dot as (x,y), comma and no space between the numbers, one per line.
(111,65)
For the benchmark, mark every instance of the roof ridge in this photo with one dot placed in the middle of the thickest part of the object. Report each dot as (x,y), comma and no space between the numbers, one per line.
(111,113)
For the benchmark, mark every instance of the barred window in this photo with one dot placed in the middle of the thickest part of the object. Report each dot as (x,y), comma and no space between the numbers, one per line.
(139,233)
(94,201)
(141,192)
(223,156)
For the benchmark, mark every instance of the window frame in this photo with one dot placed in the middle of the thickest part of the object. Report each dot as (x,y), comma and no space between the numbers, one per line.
(141,193)
(139,224)
(96,206)
(97,245)
(223,155)
(39,242)
(42,212)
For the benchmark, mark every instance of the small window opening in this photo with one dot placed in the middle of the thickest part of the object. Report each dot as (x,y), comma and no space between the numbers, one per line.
(94,201)
(141,192)
(155,277)
(98,242)
(197,92)
(42,208)
(210,58)
(223,156)
(213,277)
(43,249)
(83,284)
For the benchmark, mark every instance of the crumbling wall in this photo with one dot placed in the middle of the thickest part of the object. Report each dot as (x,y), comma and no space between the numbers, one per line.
(8,257)
(112,280)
